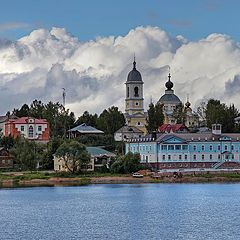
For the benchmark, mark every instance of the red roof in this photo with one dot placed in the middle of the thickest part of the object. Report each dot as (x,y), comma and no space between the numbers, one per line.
(24,120)
(173,128)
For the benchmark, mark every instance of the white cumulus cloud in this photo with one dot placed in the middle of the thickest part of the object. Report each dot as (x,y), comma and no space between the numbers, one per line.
(93,73)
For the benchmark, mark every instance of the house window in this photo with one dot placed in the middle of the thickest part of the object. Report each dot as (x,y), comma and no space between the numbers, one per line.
(202,156)
(185,157)
(184,147)
(170,147)
(164,147)
(30,131)
(169,157)
(194,148)
(210,156)
(39,128)
(210,147)
(203,147)
(178,147)
(22,128)
(194,157)
(163,157)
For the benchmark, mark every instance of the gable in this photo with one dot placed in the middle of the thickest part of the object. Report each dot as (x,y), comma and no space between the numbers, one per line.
(173,140)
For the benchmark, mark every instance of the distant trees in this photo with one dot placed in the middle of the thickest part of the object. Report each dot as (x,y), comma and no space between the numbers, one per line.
(74,155)
(216,112)
(28,155)
(155,117)
(180,114)
(127,164)
(59,118)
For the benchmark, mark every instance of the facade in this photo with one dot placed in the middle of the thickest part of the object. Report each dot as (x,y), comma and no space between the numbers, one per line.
(6,160)
(99,158)
(83,129)
(29,128)
(127,132)
(187,150)
(134,101)
(3,120)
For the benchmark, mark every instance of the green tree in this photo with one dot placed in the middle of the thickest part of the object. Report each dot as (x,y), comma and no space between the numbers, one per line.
(127,164)
(155,117)
(27,154)
(74,155)
(110,120)
(180,114)
(87,118)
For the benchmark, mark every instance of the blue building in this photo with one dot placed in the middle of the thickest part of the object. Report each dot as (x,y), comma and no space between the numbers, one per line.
(187,150)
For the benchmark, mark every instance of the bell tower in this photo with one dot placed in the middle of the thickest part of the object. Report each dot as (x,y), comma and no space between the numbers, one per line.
(134,101)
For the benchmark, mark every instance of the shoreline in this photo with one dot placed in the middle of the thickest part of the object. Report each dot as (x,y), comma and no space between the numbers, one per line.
(60,181)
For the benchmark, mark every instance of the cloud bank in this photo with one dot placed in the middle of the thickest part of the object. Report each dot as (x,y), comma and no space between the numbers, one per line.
(93,73)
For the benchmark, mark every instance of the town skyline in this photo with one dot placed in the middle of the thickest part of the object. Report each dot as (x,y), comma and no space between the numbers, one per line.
(42,52)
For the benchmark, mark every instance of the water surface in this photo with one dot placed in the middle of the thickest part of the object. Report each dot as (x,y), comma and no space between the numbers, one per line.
(122,211)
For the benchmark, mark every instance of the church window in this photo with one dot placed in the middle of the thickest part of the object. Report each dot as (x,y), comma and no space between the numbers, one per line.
(194,148)
(185,156)
(219,147)
(203,147)
(219,156)
(127,91)
(194,157)
(232,147)
(225,147)
(22,128)
(210,147)
(184,147)
(169,157)
(136,94)
(210,156)
(136,103)
(30,132)
(163,157)
(203,157)
(138,123)
(170,147)
(180,157)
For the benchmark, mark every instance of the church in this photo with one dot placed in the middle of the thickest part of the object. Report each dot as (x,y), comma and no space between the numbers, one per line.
(134,103)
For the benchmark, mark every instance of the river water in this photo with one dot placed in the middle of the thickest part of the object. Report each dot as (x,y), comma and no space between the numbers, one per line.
(122,211)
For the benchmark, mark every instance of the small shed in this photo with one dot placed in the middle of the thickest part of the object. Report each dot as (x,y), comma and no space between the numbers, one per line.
(6,160)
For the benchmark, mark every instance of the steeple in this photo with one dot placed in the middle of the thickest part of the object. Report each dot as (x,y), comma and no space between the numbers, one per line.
(134,62)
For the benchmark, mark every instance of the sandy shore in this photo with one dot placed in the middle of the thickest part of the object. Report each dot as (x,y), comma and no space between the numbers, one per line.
(113,180)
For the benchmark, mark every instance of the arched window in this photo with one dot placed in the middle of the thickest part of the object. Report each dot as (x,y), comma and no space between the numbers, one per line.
(136,92)
(30,132)
(127,91)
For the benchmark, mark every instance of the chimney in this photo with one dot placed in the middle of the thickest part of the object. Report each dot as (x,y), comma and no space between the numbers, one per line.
(216,129)
(154,135)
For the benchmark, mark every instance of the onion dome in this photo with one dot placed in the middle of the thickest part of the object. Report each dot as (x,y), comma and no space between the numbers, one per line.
(187,104)
(169,84)
(169,96)
(134,75)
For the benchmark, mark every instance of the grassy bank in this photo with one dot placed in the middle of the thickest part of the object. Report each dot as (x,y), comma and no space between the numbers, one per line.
(20,179)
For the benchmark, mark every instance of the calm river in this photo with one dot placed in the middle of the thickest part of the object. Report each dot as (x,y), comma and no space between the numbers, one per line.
(146,211)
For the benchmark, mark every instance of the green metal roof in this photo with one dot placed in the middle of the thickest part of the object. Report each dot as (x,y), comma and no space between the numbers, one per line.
(97,151)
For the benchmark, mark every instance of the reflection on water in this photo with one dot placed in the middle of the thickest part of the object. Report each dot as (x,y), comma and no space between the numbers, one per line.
(122,211)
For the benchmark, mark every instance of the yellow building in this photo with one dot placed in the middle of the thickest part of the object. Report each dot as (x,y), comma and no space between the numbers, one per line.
(134,102)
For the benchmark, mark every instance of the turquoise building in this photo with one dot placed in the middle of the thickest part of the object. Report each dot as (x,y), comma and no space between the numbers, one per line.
(187,150)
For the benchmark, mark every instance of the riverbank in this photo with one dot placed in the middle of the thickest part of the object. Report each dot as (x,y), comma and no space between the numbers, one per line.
(51,179)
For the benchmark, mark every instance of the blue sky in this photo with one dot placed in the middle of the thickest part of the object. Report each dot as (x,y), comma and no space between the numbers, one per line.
(194,19)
